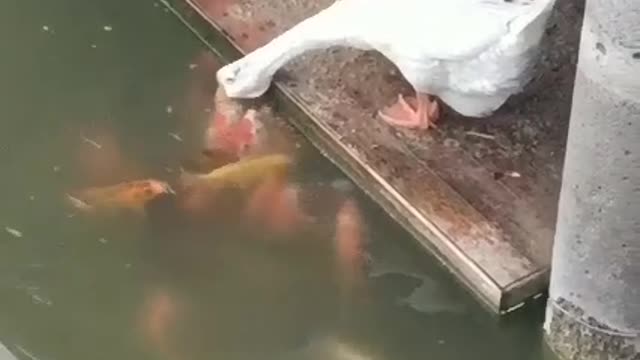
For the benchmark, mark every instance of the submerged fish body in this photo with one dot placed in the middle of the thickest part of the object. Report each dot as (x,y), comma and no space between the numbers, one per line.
(231,128)
(243,174)
(229,108)
(131,195)
(276,205)
(237,138)
(349,242)
(349,234)
(208,160)
(159,312)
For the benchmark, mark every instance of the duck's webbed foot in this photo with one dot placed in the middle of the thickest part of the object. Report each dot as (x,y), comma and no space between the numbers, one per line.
(420,112)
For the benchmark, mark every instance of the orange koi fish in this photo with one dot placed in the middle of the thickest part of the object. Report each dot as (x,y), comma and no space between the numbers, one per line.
(128,195)
(243,174)
(349,244)
(231,129)
(157,318)
(276,205)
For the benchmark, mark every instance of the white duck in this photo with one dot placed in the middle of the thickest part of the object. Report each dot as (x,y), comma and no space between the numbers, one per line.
(472,54)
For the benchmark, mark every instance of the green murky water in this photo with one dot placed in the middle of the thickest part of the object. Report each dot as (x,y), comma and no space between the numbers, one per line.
(91,94)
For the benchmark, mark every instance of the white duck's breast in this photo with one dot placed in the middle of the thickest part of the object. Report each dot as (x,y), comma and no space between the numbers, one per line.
(492,72)
(506,66)
(465,50)
(433,29)
(479,86)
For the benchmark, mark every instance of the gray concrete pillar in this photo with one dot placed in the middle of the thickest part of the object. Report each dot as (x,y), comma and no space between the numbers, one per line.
(593,310)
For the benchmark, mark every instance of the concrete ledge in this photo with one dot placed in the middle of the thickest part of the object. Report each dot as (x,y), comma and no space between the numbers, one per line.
(454,189)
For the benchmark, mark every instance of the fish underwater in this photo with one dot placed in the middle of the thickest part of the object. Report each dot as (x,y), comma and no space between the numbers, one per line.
(231,128)
(236,138)
(158,316)
(243,174)
(275,204)
(349,243)
(132,195)
(208,160)
(349,236)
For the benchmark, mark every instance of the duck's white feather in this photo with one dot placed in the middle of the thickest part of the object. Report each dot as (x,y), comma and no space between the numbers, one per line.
(473,54)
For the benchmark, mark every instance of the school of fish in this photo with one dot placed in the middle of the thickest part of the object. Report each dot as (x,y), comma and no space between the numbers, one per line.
(234,158)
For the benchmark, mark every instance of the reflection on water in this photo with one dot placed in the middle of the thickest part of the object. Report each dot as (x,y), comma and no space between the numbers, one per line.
(98,93)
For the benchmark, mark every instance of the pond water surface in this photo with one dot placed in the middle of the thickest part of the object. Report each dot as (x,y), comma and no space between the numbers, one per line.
(97,92)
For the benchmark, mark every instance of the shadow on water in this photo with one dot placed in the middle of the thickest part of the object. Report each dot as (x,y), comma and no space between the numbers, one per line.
(98,92)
